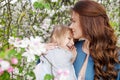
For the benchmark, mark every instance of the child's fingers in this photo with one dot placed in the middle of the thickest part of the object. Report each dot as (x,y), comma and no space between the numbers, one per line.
(50,46)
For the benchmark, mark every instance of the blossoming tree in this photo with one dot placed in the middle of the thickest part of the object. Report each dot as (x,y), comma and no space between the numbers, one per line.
(21,19)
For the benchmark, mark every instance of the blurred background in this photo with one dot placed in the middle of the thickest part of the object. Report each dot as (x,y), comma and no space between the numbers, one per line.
(25,18)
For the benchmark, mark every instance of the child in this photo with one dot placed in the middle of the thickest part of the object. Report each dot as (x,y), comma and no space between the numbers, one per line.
(60,58)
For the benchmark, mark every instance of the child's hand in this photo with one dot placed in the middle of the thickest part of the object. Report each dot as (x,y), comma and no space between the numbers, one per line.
(73,49)
(74,52)
(50,46)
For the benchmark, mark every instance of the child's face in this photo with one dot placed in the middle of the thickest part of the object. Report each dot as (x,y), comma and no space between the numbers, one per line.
(68,40)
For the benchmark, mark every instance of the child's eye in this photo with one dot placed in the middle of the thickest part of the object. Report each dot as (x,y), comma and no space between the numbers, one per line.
(73,21)
(69,38)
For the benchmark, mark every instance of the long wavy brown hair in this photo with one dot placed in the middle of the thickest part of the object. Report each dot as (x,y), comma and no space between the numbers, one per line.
(96,28)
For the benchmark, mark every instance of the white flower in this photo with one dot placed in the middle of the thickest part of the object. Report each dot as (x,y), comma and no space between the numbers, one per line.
(11,40)
(18,49)
(19,43)
(0,44)
(46,23)
(35,46)
(36,28)
(47,20)
(35,40)
(54,0)
(4,65)
(13,1)
(24,43)
(15,41)
(50,12)
(63,8)
(3,3)
(14,76)
(30,57)
(32,46)
(33,1)
(37,49)
(45,26)
(1,26)
(16,71)
(29,77)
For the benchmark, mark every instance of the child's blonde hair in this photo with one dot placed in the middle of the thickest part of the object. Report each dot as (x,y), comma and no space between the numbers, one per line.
(59,33)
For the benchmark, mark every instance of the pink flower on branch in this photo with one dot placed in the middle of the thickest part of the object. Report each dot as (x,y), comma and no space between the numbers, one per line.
(14,60)
(1,60)
(10,69)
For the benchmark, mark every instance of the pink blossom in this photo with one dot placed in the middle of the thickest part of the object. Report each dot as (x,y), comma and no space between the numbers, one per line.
(10,69)
(1,71)
(63,72)
(1,60)
(59,72)
(55,79)
(14,60)
(66,72)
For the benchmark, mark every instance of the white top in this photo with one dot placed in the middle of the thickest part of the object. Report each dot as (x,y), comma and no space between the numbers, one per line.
(60,59)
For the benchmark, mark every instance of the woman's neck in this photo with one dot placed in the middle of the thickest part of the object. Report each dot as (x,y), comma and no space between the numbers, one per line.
(85,46)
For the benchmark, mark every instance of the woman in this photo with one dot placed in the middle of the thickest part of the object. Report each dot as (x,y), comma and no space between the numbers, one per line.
(97,55)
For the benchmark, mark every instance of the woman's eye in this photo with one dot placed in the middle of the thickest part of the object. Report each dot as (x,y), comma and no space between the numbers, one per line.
(72,20)
(69,24)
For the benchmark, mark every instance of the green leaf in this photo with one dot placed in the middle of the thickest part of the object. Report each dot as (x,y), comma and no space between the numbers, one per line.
(11,53)
(47,6)
(2,54)
(38,5)
(48,77)
(5,76)
(7,53)
(114,24)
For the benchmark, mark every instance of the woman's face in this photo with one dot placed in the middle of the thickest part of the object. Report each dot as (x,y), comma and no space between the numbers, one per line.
(75,26)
